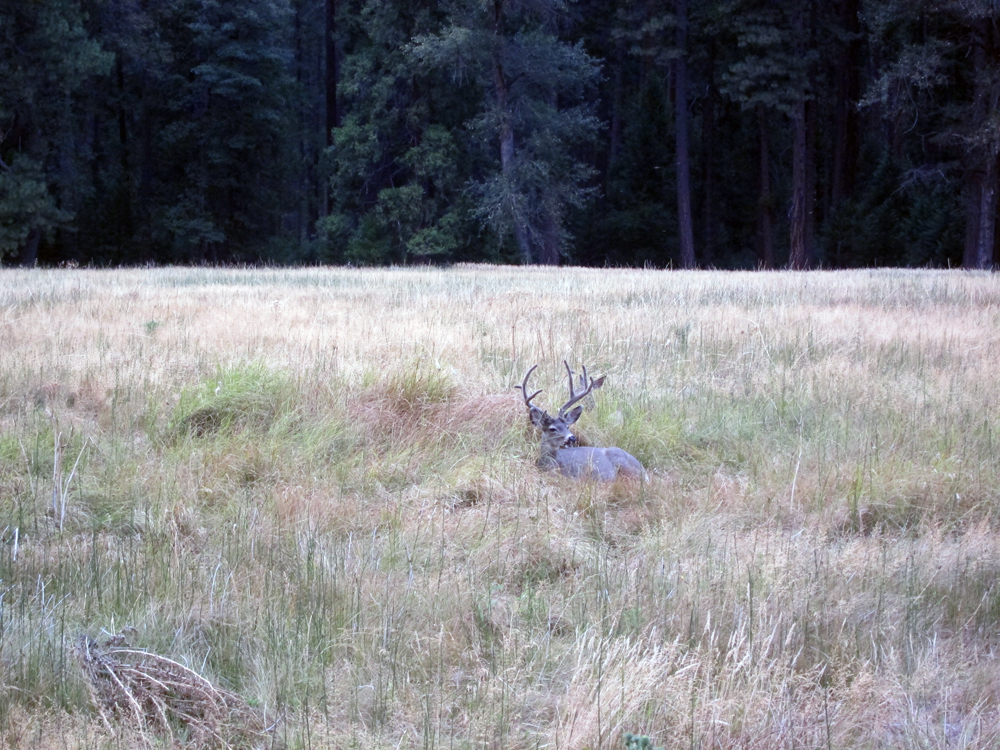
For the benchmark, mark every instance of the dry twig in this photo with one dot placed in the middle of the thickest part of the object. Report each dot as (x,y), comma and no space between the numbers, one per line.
(158,696)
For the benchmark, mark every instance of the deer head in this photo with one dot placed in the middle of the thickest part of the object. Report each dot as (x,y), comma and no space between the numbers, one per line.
(556,433)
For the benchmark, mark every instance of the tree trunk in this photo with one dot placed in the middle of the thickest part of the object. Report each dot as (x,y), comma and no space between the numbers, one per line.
(846,147)
(986,234)
(798,256)
(615,144)
(684,221)
(803,180)
(122,116)
(973,204)
(507,168)
(332,115)
(507,163)
(507,141)
(331,119)
(708,156)
(305,186)
(765,205)
(981,205)
(144,221)
(550,247)
(27,256)
(811,204)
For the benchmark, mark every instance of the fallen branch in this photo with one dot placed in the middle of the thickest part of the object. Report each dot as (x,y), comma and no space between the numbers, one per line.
(158,696)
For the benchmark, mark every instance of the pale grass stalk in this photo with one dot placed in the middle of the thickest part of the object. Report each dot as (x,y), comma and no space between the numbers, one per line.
(60,489)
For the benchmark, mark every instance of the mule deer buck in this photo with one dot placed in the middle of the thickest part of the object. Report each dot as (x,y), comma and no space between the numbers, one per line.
(559,449)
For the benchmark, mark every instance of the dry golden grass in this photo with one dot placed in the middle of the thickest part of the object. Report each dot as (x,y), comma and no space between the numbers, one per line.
(315,489)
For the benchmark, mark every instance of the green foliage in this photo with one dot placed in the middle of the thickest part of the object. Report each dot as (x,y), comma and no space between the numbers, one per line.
(397,171)
(224,115)
(25,204)
(196,131)
(933,227)
(768,71)
(914,220)
(46,61)
(638,222)
(638,742)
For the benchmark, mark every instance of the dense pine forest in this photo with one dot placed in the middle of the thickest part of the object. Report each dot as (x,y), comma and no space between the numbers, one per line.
(721,133)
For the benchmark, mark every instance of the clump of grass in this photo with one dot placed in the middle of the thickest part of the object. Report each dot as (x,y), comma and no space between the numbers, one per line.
(416,384)
(247,397)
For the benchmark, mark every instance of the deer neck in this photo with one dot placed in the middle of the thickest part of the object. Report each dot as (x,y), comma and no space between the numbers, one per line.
(547,455)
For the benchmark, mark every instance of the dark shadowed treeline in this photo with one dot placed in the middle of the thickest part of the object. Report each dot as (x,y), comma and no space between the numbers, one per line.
(724,133)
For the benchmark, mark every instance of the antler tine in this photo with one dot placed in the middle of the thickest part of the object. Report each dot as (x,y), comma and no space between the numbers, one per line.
(583,379)
(573,395)
(569,375)
(524,388)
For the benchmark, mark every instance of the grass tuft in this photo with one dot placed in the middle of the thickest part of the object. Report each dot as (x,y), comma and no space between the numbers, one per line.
(415,384)
(249,397)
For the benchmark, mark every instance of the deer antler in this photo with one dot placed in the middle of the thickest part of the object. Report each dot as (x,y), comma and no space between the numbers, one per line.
(524,388)
(586,381)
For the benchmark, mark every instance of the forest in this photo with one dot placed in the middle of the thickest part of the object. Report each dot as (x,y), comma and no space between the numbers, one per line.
(733,134)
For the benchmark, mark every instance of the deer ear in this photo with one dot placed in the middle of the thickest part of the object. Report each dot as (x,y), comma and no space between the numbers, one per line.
(573,415)
(537,416)
(599,382)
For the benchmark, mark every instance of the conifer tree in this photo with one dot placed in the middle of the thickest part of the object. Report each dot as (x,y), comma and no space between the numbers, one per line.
(942,72)
(768,78)
(224,128)
(46,60)
(395,168)
(533,113)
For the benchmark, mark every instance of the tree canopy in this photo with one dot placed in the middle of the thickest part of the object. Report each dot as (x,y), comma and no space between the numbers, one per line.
(728,133)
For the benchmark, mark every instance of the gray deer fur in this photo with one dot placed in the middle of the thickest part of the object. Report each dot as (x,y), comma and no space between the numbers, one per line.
(559,449)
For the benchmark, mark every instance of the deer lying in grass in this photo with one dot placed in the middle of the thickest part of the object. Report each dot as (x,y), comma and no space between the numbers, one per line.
(559,449)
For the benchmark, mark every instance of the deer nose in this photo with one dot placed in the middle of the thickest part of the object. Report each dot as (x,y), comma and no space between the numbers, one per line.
(570,439)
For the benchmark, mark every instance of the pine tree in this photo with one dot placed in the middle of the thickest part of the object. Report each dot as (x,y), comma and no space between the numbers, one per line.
(225,123)
(768,78)
(533,113)
(658,33)
(941,76)
(397,175)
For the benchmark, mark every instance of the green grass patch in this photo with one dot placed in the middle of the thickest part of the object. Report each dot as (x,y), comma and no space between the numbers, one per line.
(248,397)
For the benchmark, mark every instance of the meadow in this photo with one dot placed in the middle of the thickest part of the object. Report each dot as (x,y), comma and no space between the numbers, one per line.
(311,496)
